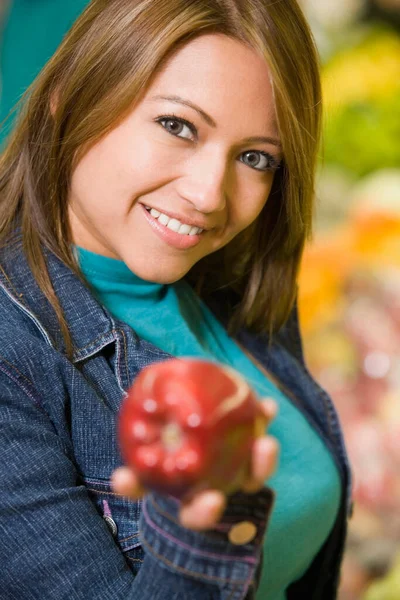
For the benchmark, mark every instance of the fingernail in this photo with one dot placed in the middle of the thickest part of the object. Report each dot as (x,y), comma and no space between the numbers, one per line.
(212,500)
(272,409)
(269,444)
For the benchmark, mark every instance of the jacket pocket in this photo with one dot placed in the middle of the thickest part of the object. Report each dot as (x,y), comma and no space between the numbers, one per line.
(122,518)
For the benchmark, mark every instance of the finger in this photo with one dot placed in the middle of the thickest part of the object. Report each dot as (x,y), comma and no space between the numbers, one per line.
(270,408)
(265,457)
(125,482)
(204,510)
(264,463)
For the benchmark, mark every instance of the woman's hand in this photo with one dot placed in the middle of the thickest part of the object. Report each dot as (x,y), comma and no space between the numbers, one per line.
(205,508)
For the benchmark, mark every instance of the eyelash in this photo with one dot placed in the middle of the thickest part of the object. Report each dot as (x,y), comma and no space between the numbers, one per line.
(274,163)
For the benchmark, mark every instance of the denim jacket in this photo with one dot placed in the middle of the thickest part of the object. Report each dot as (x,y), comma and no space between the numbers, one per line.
(63,532)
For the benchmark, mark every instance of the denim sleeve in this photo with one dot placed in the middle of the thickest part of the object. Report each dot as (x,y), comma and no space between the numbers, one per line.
(54,543)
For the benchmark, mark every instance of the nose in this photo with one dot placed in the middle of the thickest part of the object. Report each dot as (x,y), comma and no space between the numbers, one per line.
(204,182)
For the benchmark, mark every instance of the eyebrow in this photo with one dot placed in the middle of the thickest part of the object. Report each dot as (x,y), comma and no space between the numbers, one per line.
(210,121)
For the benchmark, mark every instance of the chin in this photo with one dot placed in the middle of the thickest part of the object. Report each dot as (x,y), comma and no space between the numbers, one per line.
(160,274)
(162,279)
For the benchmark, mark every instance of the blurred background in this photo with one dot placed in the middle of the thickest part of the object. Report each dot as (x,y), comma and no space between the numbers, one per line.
(350,278)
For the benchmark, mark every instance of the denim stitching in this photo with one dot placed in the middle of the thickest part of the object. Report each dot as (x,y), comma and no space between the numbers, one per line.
(187,571)
(11,285)
(100,337)
(30,396)
(247,559)
(250,580)
(107,493)
(126,539)
(139,560)
(98,481)
(15,369)
(126,354)
(161,511)
(22,306)
(118,361)
(234,590)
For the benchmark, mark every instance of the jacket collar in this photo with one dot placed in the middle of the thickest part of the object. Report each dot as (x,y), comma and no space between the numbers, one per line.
(91,326)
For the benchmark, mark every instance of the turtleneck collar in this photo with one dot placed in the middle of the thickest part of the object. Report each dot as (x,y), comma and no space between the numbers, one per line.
(113,271)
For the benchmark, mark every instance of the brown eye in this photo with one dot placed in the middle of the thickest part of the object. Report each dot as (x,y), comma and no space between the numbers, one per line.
(261,161)
(173,126)
(178,127)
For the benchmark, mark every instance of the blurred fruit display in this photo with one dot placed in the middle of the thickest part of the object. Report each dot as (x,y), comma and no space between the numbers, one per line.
(349,297)
(350,313)
(389,588)
(362,130)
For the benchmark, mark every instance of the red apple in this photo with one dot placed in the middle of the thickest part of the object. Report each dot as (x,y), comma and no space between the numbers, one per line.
(188,425)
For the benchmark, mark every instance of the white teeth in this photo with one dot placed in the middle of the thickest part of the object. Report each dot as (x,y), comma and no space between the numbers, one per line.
(184,229)
(174,224)
(163,219)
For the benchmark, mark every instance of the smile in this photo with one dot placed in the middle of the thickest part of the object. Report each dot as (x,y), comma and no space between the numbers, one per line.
(173,224)
(173,233)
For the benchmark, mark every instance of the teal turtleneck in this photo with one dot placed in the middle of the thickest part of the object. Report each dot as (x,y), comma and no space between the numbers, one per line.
(306,483)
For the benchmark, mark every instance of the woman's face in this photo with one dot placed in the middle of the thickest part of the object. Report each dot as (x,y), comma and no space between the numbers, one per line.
(199,150)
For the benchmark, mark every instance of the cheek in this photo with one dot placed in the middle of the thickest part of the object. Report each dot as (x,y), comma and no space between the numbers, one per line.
(132,163)
(252,194)
(97,171)
(106,176)
(250,206)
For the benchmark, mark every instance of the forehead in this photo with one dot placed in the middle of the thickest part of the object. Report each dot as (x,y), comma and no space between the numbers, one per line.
(222,75)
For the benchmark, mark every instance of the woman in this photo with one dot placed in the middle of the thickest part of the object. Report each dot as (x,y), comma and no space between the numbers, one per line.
(155,199)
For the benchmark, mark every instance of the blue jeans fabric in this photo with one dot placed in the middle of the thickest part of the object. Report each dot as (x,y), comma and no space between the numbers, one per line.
(63,532)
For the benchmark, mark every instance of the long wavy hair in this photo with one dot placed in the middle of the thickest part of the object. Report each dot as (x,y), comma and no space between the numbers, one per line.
(101,69)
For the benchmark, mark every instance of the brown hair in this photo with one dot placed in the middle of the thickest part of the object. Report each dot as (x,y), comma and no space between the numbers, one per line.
(100,70)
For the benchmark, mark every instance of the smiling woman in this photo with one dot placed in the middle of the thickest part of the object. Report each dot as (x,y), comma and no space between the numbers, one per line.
(155,198)
(197,166)
(262,263)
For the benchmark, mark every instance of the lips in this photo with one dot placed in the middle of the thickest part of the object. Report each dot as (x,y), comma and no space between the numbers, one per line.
(182,219)
(170,237)
(174,224)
